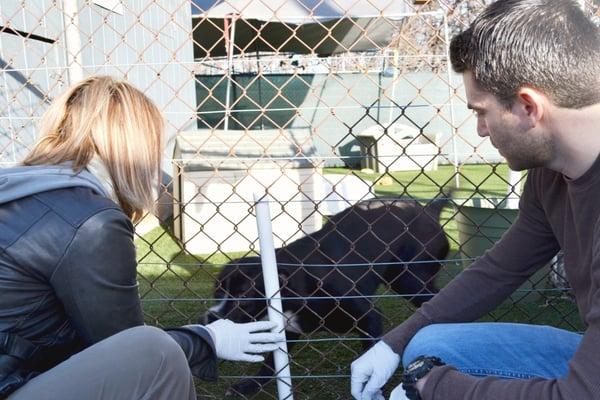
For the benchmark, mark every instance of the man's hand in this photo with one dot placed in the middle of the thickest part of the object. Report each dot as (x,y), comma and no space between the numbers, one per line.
(399,394)
(372,370)
(241,342)
(421,383)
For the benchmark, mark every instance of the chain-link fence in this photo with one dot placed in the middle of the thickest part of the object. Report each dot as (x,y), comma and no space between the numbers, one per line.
(345,113)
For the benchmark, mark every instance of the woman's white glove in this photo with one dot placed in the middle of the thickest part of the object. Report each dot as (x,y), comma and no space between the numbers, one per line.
(241,342)
(372,370)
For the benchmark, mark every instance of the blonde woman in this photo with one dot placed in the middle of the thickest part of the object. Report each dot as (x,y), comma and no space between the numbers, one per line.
(71,325)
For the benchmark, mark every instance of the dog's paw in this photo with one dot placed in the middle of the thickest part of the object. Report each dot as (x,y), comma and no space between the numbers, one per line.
(243,389)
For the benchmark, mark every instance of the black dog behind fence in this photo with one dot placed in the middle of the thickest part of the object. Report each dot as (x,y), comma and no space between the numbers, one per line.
(329,278)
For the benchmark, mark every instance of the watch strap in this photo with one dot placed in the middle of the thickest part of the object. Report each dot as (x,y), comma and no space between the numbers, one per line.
(415,371)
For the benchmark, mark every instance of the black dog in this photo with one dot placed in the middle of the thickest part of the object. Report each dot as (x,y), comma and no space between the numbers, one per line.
(327,277)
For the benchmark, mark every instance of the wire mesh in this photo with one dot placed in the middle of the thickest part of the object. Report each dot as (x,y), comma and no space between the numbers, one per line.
(325,106)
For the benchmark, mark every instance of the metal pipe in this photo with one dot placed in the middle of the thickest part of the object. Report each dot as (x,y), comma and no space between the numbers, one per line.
(230,42)
(453,129)
(394,81)
(514,189)
(273,294)
(73,41)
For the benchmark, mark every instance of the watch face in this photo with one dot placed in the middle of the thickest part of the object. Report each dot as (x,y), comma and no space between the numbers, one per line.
(416,365)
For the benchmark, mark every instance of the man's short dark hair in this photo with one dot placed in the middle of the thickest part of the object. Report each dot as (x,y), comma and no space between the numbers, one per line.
(550,45)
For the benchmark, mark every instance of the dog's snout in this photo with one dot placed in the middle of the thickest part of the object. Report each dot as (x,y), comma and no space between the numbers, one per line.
(210,316)
(215,312)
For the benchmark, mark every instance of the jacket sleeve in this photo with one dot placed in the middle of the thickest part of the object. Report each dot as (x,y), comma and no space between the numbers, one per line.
(581,381)
(493,277)
(96,282)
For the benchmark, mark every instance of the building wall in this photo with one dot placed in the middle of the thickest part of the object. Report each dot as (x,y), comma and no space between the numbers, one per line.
(148,44)
(335,108)
(31,72)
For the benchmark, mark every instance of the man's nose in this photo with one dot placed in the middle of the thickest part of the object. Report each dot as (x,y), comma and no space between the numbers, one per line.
(482,129)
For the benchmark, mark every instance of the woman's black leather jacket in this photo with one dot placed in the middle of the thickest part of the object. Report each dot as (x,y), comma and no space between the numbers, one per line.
(68,280)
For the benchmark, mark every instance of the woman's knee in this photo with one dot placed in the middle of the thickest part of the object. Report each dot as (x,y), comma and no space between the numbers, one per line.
(146,335)
(143,362)
(153,346)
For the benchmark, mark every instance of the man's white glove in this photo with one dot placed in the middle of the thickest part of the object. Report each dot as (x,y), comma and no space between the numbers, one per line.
(242,342)
(398,394)
(372,370)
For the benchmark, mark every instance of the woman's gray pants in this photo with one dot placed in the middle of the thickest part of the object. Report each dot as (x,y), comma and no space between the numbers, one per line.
(139,363)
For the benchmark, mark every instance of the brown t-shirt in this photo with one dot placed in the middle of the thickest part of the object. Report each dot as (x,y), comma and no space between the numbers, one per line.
(555,212)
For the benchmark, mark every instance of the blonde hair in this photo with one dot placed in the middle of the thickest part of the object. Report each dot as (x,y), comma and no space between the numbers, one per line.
(111,119)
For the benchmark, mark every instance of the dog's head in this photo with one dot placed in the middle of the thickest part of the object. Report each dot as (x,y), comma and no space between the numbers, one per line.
(239,292)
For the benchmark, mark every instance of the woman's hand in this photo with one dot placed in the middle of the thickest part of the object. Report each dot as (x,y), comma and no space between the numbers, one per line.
(242,342)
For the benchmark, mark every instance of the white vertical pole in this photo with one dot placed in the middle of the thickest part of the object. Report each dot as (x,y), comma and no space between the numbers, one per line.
(273,294)
(514,189)
(394,80)
(9,110)
(230,48)
(453,129)
(73,41)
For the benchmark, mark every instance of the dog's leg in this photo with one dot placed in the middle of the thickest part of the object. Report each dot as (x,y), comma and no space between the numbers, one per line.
(417,281)
(250,386)
(369,324)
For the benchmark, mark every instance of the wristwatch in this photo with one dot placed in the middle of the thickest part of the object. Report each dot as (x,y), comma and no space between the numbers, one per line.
(415,371)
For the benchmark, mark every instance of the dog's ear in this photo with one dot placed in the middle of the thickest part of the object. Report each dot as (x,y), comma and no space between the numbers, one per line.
(284,277)
(228,271)
(293,281)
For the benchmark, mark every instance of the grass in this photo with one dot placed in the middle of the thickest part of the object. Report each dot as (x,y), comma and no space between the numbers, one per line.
(176,287)
(490,180)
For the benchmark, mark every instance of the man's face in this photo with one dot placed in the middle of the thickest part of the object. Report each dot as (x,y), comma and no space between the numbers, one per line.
(523,147)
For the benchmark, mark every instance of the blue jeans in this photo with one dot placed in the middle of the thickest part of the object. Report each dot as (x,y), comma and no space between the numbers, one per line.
(497,349)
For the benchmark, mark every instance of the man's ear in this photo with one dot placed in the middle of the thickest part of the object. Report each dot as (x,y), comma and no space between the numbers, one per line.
(530,106)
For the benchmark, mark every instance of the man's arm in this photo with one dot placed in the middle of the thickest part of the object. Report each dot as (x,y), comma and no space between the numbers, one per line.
(525,247)
(581,381)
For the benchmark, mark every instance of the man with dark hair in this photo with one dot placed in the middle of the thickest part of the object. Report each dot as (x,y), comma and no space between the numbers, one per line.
(531,70)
